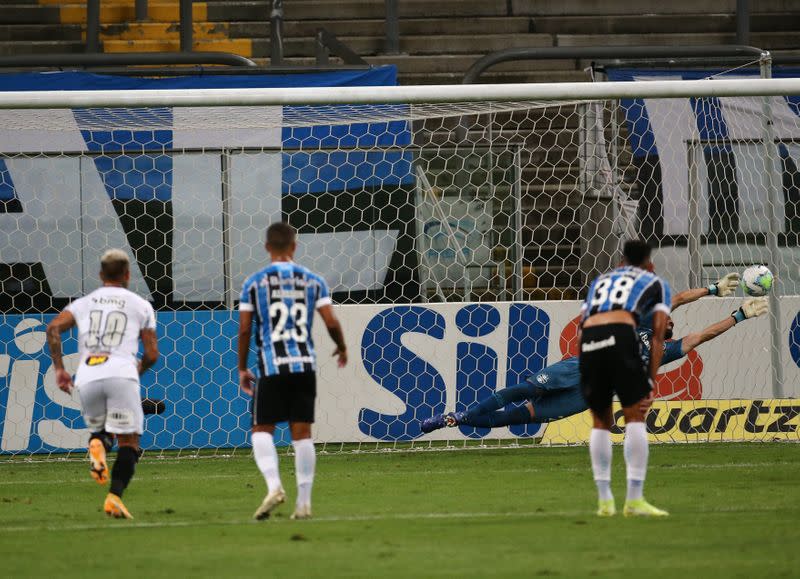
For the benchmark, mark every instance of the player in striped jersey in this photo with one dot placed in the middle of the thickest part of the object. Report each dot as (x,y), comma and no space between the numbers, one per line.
(282,298)
(610,363)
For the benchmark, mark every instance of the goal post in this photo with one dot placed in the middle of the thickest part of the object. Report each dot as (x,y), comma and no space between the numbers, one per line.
(458,228)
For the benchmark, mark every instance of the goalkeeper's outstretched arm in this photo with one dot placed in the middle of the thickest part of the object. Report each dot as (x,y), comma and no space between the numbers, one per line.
(751,308)
(724,287)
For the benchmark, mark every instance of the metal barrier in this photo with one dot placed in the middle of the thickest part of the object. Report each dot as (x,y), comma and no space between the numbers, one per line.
(93,26)
(392,45)
(141,10)
(276,33)
(326,42)
(124,59)
(663,53)
(186,25)
(742,21)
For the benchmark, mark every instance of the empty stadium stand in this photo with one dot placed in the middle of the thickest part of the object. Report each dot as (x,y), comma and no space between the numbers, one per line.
(438,43)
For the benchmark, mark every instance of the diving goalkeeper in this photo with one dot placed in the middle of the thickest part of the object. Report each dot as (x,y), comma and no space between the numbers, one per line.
(555,391)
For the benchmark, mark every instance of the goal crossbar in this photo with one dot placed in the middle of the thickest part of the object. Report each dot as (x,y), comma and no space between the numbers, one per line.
(400,94)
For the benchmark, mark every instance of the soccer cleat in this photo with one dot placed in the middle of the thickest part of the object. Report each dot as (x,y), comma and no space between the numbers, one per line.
(441,421)
(97,455)
(641,508)
(269,503)
(114,507)
(606,508)
(301,512)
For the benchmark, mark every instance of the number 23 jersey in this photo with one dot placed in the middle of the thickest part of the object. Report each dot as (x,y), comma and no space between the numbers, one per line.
(283,298)
(110,320)
(627,288)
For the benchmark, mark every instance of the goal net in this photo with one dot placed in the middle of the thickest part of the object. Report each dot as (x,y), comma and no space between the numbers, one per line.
(458,228)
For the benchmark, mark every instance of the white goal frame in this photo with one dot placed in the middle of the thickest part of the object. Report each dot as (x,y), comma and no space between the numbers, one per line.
(570,91)
(530,95)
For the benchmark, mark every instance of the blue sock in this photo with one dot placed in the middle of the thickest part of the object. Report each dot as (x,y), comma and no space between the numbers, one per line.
(501,399)
(515,415)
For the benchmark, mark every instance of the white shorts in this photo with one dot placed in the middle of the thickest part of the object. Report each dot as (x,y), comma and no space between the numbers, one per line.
(113,404)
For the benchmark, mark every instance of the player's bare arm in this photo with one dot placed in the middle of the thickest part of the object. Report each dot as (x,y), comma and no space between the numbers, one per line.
(61,323)
(335,332)
(246,376)
(751,308)
(723,287)
(150,350)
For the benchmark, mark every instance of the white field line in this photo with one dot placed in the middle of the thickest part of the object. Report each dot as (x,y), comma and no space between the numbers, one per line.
(144,479)
(125,525)
(322,450)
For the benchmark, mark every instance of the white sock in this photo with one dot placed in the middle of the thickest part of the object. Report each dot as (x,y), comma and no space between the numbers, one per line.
(267,459)
(305,459)
(601,453)
(636,451)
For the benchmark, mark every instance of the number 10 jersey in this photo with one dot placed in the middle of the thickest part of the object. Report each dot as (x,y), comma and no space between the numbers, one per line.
(110,321)
(630,289)
(283,297)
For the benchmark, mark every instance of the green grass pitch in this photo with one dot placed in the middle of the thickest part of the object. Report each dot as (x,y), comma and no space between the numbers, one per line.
(472,513)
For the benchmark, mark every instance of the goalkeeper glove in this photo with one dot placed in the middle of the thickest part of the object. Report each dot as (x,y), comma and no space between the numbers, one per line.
(751,308)
(725,286)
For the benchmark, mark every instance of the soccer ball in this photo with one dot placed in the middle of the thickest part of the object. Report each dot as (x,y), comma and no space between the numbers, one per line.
(757,280)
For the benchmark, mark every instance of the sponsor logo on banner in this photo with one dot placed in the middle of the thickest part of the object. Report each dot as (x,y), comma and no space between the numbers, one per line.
(794,340)
(195,377)
(706,421)
(417,380)
(34,413)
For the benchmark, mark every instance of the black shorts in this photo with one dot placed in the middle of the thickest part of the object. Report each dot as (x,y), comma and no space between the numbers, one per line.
(285,397)
(610,362)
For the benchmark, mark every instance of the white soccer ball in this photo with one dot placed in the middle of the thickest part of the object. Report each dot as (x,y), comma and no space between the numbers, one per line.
(757,280)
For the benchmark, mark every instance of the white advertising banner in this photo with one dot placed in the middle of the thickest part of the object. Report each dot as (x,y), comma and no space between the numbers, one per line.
(410,362)
(407,363)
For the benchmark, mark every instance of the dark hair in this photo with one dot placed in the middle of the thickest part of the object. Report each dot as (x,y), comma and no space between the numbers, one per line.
(280,236)
(636,252)
(114,264)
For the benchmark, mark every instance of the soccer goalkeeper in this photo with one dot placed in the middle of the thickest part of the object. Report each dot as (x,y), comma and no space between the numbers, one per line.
(555,392)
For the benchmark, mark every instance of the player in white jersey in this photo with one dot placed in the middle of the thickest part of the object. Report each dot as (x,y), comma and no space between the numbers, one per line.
(111,321)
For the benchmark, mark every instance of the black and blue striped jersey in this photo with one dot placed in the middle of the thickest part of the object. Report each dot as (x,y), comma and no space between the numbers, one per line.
(630,289)
(283,298)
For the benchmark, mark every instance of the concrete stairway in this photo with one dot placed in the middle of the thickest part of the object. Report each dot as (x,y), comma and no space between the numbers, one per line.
(41,26)
(438,41)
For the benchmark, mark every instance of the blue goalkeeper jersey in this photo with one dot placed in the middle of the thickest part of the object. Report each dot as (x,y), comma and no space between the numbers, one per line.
(673,349)
(559,376)
(566,374)
(630,289)
(283,298)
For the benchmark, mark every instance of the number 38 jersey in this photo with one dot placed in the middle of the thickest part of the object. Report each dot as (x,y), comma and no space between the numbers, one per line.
(627,288)
(283,297)
(110,320)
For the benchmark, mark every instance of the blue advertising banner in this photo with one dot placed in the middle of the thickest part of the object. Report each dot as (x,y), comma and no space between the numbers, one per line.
(196,376)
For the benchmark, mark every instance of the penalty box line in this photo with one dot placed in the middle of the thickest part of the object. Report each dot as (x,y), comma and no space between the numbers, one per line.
(144,479)
(538,514)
